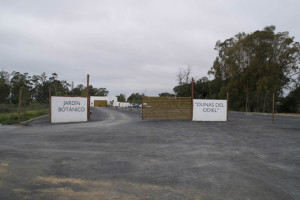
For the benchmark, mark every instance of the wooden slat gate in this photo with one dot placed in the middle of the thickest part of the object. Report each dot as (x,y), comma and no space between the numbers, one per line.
(167,108)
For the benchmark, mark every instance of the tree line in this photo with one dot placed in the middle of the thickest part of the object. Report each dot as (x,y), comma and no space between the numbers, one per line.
(35,89)
(250,68)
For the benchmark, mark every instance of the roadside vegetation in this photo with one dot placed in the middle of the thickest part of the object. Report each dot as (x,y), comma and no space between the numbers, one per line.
(251,68)
(34,94)
(9,112)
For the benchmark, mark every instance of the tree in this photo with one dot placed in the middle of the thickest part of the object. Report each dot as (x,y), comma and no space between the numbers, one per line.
(92,90)
(135,98)
(58,87)
(80,90)
(101,92)
(17,81)
(4,87)
(251,67)
(291,103)
(41,85)
(166,94)
(183,76)
(183,89)
(201,88)
(40,90)
(121,98)
(36,88)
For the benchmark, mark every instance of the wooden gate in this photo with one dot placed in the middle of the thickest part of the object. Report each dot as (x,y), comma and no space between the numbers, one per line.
(100,103)
(167,108)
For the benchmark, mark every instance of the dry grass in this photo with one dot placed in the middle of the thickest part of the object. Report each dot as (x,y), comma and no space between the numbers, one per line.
(9,112)
(288,114)
(69,188)
(3,171)
(4,164)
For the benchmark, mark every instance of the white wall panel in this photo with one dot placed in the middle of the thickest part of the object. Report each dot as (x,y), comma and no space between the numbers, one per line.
(209,110)
(68,109)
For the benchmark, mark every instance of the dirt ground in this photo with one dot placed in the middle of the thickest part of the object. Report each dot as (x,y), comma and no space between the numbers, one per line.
(118,156)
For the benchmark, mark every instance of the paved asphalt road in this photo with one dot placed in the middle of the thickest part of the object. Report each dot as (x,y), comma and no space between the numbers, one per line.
(119,156)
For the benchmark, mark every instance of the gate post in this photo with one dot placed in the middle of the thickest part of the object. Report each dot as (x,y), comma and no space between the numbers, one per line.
(227,106)
(192,99)
(19,107)
(88,97)
(273,107)
(50,110)
(143,107)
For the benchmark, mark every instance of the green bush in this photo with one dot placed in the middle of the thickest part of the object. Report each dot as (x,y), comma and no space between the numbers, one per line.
(9,112)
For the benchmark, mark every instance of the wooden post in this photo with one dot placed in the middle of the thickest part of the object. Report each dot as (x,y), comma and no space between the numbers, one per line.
(143,107)
(227,106)
(273,107)
(72,88)
(192,99)
(88,97)
(50,105)
(19,108)
(247,103)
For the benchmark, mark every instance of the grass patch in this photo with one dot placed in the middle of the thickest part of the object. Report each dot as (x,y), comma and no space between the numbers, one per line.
(9,112)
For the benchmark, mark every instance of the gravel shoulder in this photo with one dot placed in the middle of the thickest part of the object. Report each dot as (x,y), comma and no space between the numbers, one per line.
(116,155)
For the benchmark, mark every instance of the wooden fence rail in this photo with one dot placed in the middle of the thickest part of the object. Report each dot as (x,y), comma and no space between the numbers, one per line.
(166,108)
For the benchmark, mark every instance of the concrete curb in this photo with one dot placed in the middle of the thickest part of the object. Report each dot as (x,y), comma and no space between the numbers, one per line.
(276,114)
(24,122)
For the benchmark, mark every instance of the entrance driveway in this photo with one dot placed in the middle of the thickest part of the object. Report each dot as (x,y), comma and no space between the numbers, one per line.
(118,156)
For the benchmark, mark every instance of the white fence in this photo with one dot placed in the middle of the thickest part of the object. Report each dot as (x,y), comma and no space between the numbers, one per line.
(68,109)
(123,104)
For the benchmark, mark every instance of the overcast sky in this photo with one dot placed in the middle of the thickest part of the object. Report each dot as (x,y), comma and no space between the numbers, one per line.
(129,45)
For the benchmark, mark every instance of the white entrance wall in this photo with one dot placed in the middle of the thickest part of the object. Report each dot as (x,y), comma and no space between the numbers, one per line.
(68,109)
(209,110)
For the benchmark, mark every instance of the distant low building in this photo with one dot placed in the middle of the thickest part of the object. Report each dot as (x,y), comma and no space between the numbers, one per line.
(98,101)
(123,104)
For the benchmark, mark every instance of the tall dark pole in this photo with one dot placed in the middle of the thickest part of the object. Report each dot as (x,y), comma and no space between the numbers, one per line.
(50,105)
(19,108)
(247,103)
(273,108)
(227,106)
(192,98)
(88,96)
(143,107)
